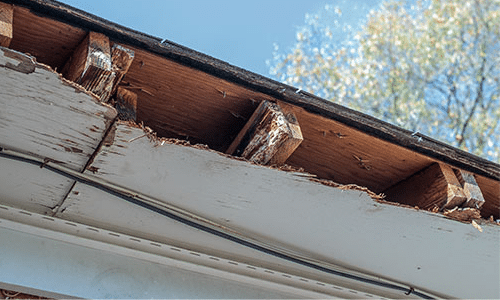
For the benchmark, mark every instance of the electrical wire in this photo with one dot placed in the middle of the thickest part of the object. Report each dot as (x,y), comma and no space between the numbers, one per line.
(199,222)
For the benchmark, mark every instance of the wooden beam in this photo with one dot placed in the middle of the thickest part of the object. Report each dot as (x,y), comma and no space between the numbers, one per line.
(126,104)
(434,187)
(471,189)
(257,114)
(6,20)
(91,65)
(121,59)
(270,136)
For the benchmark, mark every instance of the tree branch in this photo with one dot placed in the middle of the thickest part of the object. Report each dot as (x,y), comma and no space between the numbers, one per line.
(478,99)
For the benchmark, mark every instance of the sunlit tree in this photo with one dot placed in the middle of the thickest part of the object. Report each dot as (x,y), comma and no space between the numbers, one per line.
(428,66)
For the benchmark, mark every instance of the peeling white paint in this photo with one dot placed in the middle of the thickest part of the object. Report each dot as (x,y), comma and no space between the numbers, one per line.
(343,227)
(41,113)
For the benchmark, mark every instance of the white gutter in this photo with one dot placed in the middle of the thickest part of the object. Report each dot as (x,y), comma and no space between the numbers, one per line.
(58,264)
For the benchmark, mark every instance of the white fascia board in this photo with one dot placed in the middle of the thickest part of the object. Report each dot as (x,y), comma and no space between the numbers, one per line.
(408,247)
(44,114)
(342,227)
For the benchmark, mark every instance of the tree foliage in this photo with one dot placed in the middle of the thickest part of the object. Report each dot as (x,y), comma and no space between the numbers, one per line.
(429,66)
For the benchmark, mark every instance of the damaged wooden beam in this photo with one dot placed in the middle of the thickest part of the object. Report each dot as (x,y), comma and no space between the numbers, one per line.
(435,187)
(270,136)
(6,21)
(473,194)
(91,66)
(121,59)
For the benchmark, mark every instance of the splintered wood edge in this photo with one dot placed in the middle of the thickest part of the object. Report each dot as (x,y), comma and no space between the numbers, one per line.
(99,54)
(474,196)
(268,122)
(90,65)
(268,135)
(456,195)
(6,21)
(293,138)
(121,58)
(463,214)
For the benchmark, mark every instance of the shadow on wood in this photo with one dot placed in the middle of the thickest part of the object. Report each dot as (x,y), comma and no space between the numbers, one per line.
(434,187)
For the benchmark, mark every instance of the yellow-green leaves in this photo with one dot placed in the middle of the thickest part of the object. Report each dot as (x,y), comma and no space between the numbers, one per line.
(431,66)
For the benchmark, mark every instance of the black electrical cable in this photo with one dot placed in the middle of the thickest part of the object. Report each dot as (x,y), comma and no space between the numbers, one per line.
(133,198)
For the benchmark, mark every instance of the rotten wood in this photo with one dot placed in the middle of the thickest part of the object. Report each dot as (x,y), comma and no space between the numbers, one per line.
(91,65)
(6,21)
(434,187)
(269,137)
(463,214)
(121,59)
(472,191)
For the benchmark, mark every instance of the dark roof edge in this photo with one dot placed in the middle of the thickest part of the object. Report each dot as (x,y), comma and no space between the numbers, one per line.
(370,125)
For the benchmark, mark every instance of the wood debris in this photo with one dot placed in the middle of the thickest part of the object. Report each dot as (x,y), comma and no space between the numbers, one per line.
(374,196)
(477,226)
(463,214)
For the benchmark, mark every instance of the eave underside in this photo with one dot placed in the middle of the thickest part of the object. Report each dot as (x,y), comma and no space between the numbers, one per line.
(184,94)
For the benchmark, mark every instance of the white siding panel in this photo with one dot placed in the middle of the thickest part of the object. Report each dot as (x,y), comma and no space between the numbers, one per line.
(41,113)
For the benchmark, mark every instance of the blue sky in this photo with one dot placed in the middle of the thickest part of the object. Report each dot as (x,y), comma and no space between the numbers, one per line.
(239,32)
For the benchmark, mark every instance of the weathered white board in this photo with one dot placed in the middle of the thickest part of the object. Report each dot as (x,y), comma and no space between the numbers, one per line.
(29,187)
(344,227)
(43,114)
